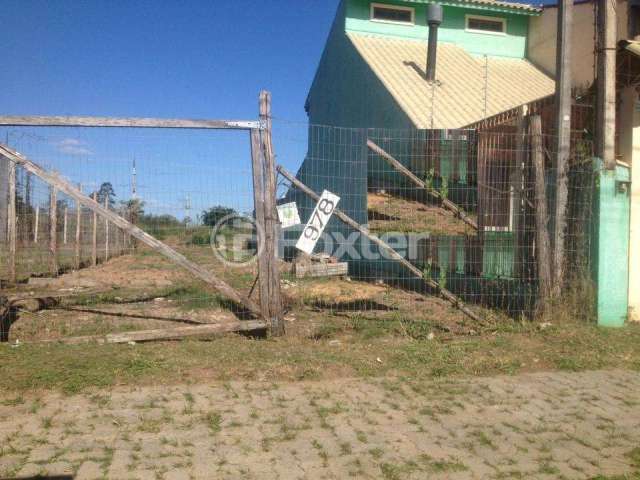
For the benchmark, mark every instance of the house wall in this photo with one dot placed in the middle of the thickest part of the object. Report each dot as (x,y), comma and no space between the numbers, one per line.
(541,49)
(452,30)
(4,198)
(345,93)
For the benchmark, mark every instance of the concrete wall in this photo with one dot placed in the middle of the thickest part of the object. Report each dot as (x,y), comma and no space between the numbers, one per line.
(541,49)
(452,30)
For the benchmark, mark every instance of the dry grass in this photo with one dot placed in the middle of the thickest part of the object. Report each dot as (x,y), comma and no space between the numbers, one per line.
(389,213)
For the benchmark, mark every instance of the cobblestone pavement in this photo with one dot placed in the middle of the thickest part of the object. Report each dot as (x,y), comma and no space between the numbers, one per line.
(544,425)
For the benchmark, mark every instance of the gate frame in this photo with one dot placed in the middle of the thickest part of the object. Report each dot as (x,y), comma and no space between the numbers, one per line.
(264,178)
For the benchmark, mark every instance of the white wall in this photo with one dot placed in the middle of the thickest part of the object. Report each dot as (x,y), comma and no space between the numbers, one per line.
(541,48)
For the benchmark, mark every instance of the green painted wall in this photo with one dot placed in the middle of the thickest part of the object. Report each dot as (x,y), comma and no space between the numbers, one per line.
(452,30)
(345,92)
(611,245)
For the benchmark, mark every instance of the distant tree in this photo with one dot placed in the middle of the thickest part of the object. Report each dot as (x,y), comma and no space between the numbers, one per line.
(106,191)
(213,215)
(133,209)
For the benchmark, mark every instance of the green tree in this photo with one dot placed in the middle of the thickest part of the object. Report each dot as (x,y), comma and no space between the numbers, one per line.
(213,215)
(106,191)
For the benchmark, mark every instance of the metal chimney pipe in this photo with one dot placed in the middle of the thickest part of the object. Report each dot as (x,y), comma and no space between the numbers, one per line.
(434,19)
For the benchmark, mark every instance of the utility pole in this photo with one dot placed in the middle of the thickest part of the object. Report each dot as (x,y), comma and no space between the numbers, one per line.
(606,83)
(134,186)
(563,135)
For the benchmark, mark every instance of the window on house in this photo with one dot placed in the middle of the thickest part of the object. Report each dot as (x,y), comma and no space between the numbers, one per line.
(392,14)
(476,23)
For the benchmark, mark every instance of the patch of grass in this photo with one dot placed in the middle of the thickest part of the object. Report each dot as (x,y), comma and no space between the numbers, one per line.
(12,402)
(213,421)
(194,297)
(74,368)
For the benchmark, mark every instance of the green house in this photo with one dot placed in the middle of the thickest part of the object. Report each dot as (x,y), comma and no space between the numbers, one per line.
(372,83)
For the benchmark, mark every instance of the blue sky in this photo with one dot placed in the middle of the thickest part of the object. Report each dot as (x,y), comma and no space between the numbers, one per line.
(203,59)
(189,59)
(195,59)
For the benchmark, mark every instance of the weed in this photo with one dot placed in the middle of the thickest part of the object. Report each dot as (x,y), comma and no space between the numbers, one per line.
(213,421)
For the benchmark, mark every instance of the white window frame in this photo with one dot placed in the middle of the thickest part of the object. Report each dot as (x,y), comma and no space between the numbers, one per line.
(392,7)
(483,17)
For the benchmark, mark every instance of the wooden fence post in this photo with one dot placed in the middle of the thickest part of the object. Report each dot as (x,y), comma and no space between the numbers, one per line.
(78,231)
(258,202)
(53,231)
(543,246)
(94,239)
(36,224)
(64,227)
(106,230)
(11,222)
(271,222)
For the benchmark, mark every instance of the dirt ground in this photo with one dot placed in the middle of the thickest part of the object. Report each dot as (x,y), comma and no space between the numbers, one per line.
(389,213)
(542,426)
(146,291)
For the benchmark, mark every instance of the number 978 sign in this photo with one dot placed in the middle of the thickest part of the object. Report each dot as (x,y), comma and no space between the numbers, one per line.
(318,221)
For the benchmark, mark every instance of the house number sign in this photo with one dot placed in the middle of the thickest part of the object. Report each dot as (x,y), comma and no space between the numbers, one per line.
(318,221)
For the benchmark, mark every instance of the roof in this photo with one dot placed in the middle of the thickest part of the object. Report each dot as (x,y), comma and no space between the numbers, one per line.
(458,97)
(494,5)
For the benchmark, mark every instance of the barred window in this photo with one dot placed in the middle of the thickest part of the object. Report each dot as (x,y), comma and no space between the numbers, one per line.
(392,14)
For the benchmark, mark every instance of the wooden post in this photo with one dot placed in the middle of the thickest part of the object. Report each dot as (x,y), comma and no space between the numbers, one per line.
(94,238)
(36,224)
(64,225)
(106,230)
(258,202)
(53,231)
(563,132)
(543,253)
(271,222)
(118,234)
(78,245)
(11,222)
(518,184)
(606,83)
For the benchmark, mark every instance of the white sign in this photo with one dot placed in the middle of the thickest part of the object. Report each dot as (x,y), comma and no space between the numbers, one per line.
(288,214)
(319,219)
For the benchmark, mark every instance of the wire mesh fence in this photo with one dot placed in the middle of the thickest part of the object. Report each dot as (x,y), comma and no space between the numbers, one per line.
(459,205)
(435,226)
(173,184)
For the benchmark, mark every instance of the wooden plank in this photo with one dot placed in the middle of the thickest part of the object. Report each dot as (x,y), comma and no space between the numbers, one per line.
(321,269)
(106,230)
(271,219)
(77,245)
(258,203)
(53,230)
(67,188)
(446,203)
(36,225)
(94,237)
(11,222)
(74,121)
(164,333)
(543,246)
(519,190)
(446,294)
(64,225)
